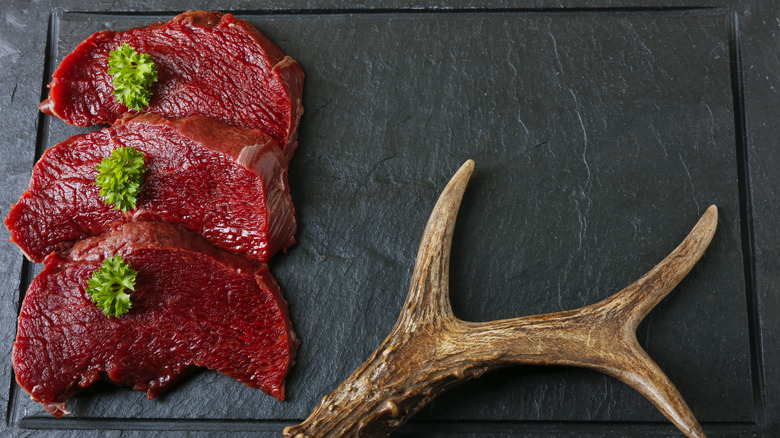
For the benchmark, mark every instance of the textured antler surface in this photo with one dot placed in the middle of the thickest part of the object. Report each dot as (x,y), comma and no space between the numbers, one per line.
(429,350)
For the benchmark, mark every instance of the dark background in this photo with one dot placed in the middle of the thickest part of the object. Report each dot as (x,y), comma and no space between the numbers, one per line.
(600,131)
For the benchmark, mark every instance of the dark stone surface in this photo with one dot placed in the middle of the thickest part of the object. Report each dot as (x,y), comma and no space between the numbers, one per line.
(600,134)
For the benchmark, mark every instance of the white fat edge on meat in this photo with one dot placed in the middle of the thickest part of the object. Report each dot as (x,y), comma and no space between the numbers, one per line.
(249,154)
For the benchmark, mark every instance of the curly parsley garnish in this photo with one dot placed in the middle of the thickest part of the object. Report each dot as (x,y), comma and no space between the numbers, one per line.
(134,73)
(119,177)
(108,285)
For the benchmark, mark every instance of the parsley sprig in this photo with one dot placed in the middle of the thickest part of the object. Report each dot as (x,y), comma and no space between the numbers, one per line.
(119,177)
(109,284)
(134,73)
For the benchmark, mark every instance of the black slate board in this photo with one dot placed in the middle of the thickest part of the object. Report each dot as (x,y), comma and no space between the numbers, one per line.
(600,134)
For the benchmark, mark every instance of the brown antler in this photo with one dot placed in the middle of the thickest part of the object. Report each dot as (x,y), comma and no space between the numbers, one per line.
(429,350)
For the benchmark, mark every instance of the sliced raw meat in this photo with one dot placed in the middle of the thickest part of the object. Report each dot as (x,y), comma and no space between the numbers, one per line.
(208,64)
(193,305)
(225,183)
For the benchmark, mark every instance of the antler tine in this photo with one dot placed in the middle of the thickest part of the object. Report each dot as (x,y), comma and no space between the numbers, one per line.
(634,367)
(428,300)
(641,296)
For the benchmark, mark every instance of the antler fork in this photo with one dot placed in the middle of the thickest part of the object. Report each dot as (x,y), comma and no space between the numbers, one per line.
(430,350)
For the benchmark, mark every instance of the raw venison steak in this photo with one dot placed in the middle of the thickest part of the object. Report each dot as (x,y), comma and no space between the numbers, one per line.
(208,64)
(225,183)
(193,305)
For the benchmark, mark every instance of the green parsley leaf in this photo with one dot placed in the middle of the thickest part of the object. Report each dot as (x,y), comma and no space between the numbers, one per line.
(134,73)
(108,285)
(119,177)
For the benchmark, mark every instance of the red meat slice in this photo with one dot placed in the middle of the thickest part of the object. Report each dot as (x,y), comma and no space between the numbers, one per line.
(225,183)
(208,64)
(193,305)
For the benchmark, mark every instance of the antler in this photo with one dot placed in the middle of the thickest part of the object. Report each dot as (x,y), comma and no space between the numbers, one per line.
(430,350)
